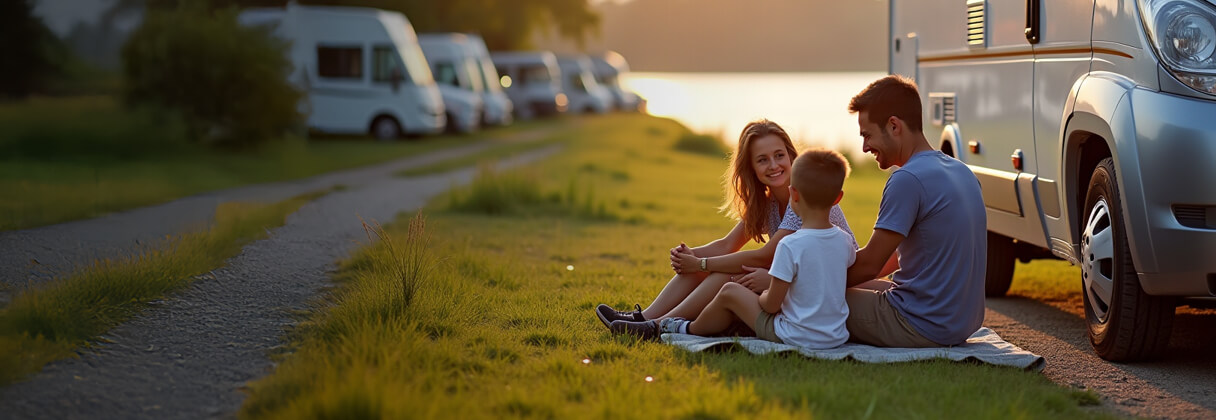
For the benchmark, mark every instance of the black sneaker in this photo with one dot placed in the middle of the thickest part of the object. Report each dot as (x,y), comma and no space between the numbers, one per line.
(646,330)
(607,314)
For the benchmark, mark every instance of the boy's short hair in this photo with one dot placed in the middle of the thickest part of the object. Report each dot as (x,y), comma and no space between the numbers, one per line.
(818,176)
(890,96)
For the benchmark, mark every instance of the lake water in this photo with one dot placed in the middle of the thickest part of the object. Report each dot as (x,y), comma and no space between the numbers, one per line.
(812,107)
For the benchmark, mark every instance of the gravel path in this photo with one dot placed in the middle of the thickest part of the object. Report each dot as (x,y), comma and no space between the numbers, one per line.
(32,256)
(189,355)
(1180,386)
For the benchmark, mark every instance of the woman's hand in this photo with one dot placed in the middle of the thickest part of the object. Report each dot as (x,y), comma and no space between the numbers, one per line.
(755,279)
(682,258)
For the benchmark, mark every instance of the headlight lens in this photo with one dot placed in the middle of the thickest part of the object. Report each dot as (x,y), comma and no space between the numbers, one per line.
(1184,34)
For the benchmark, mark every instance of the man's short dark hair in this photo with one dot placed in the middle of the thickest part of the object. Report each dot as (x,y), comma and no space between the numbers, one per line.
(890,96)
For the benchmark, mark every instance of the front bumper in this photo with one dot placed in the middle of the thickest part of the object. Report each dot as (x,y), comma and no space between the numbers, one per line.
(1173,218)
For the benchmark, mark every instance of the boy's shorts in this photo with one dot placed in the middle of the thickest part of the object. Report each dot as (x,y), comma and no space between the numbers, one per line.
(764,327)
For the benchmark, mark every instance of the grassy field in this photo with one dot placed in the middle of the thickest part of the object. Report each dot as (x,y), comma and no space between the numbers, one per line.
(72,158)
(49,322)
(483,309)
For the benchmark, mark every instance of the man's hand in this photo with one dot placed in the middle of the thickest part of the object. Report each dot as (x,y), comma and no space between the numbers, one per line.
(755,279)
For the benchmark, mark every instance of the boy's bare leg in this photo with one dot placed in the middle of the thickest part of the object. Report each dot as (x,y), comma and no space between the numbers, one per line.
(695,302)
(673,293)
(733,301)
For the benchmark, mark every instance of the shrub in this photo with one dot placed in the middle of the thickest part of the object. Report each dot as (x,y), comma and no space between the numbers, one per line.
(228,82)
(704,144)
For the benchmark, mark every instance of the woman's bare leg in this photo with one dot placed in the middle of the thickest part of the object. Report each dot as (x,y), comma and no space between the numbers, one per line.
(695,302)
(673,293)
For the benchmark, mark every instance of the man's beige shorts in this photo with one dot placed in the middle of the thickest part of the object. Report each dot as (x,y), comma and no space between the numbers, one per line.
(872,320)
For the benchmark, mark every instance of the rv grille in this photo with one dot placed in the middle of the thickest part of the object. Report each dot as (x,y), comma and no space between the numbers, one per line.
(1198,217)
(975,23)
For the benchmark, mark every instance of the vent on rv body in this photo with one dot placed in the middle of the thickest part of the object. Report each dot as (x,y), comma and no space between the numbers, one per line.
(943,108)
(975,23)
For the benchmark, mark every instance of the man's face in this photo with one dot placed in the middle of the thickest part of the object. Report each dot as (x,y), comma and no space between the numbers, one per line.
(877,141)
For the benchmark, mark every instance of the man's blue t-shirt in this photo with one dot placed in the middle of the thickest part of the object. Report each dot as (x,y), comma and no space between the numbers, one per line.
(934,201)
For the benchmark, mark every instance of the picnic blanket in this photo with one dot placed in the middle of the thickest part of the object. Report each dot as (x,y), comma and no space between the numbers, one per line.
(984,346)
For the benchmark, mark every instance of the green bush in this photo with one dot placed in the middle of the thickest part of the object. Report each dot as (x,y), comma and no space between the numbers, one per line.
(228,82)
(704,144)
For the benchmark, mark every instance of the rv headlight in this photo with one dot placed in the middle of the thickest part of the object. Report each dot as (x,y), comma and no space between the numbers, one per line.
(1184,34)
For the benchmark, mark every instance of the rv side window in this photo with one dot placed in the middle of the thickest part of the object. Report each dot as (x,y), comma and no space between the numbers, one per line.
(340,62)
(445,73)
(576,80)
(385,62)
(535,74)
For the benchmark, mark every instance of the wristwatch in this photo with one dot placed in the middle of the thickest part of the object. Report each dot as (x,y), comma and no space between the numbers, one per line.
(703,264)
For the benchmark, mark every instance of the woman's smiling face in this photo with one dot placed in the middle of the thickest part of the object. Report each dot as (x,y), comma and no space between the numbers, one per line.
(771,161)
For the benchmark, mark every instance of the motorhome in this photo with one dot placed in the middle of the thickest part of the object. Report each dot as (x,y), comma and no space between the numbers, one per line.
(531,79)
(459,78)
(498,106)
(1089,126)
(585,94)
(362,69)
(608,69)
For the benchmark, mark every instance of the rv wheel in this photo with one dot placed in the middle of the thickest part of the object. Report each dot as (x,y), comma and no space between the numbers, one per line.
(1125,324)
(386,128)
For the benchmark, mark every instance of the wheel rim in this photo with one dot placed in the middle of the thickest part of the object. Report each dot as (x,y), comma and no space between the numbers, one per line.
(385,129)
(1097,255)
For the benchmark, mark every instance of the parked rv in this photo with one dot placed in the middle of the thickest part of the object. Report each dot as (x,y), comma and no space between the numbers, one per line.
(608,69)
(459,79)
(1089,126)
(578,82)
(362,69)
(531,79)
(498,106)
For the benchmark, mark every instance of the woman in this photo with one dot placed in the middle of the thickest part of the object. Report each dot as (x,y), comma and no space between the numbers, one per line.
(757,195)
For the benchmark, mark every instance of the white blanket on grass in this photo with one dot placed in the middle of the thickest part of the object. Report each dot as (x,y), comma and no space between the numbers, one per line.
(984,346)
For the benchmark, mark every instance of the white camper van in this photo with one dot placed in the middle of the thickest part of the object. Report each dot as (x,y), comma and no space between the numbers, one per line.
(608,69)
(361,68)
(498,106)
(585,94)
(531,79)
(459,79)
(1089,124)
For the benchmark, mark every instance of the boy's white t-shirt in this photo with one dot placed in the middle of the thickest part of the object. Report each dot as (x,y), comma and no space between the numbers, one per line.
(816,262)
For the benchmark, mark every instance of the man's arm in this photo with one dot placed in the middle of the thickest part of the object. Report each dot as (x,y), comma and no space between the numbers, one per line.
(874,257)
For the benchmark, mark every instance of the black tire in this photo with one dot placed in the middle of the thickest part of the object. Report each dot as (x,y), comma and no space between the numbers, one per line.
(1129,325)
(1002,254)
(385,128)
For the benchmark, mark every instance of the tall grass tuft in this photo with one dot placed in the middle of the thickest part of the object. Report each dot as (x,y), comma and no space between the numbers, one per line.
(412,264)
(703,144)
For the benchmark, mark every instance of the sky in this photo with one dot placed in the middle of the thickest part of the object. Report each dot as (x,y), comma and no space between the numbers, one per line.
(742,35)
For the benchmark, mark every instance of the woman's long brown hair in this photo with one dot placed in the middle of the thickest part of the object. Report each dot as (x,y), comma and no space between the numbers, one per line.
(747,199)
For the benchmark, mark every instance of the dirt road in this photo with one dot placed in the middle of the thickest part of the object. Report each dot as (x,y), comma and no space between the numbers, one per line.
(1181,385)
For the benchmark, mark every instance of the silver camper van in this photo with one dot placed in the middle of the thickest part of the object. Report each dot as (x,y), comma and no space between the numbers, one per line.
(532,80)
(1091,125)
(362,69)
(459,78)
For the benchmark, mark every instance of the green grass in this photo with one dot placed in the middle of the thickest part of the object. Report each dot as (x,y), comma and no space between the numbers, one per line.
(488,155)
(704,144)
(500,322)
(48,322)
(72,158)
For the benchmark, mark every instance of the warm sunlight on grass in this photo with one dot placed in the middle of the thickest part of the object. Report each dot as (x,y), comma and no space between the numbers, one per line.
(502,324)
(49,322)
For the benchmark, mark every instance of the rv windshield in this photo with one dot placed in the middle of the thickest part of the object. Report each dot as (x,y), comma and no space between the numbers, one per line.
(490,75)
(415,65)
(476,82)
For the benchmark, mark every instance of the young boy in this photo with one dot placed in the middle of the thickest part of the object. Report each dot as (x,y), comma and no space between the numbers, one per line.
(804,305)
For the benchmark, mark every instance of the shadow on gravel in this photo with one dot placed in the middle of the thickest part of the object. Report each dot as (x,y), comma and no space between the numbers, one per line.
(1187,370)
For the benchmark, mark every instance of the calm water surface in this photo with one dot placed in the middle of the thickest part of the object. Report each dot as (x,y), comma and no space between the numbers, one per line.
(812,107)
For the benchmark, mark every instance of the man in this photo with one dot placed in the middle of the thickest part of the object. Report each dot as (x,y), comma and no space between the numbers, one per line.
(932,213)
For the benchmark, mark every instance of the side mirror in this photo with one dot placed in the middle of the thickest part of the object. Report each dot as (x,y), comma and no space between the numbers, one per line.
(396,77)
